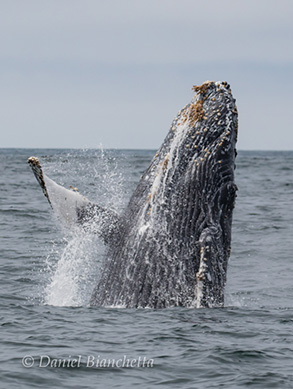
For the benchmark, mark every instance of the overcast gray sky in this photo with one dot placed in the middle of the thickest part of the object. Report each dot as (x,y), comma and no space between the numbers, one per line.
(79,73)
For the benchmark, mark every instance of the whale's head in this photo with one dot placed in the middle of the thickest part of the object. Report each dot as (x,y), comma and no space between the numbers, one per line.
(204,130)
(213,116)
(199,150)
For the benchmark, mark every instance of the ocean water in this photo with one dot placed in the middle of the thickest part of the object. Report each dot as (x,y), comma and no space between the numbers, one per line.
(52,338)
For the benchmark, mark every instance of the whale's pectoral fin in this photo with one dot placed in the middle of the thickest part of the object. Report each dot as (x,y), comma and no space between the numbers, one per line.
(74,209)
(211,275)
(214,245)
(38,172)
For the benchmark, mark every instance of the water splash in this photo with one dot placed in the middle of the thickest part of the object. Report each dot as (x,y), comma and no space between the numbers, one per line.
(75,272)
(73,266)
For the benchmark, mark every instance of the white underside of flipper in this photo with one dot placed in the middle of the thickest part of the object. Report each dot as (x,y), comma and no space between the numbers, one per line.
(73,209)
(65,202)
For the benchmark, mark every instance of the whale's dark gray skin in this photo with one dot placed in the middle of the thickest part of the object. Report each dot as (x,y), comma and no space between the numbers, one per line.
(171,245)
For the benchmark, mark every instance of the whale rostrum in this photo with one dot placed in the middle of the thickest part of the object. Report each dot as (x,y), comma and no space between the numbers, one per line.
(171,245)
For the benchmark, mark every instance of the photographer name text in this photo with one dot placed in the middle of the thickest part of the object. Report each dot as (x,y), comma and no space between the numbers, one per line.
(89,361)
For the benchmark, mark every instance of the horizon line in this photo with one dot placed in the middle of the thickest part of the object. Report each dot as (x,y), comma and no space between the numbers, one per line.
(115,148)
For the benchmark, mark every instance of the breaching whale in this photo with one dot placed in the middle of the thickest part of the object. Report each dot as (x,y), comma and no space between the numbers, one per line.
(170,247)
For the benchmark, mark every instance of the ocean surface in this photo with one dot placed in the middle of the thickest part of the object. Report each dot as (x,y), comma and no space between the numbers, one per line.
(52,338)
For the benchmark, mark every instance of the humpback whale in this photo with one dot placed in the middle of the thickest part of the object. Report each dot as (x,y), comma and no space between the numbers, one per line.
(170,246)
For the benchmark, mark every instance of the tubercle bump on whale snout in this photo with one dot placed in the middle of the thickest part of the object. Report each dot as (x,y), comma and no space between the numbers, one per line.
(203,88)
(207,85)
